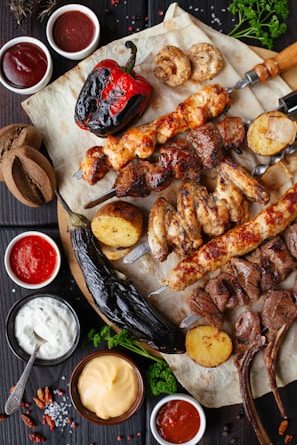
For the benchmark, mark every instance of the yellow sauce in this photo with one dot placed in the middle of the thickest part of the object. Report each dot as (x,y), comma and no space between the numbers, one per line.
(108,386)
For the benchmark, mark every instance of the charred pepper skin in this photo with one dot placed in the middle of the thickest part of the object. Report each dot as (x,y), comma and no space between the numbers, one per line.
(112,97)
(117,298)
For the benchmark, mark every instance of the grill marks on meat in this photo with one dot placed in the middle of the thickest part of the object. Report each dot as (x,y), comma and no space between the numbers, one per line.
(199,212)
(242,279)
(277,315)
(178,161)
(248,342)
(208,103)
(238,241)
(274,261)
(203,305)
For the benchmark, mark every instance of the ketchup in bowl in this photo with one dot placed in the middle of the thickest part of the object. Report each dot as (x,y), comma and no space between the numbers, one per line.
(73,31)
(178,419)
(24,65)
(32,259)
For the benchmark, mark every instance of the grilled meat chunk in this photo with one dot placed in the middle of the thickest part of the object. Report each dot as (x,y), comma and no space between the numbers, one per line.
(208,143)
(180,158)
(278,254)
(226,292)
(290,237)
(202,304)
(232,131)
(247,275)
(268,273)
(277,316)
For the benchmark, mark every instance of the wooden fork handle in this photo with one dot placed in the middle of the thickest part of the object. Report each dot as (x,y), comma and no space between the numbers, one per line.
(282,62)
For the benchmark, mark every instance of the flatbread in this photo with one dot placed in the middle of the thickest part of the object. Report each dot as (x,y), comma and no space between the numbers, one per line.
(52,112)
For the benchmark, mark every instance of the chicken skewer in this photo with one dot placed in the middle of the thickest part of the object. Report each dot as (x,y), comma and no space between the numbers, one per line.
(208,103)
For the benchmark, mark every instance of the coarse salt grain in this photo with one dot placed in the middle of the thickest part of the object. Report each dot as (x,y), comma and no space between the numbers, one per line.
(59,412)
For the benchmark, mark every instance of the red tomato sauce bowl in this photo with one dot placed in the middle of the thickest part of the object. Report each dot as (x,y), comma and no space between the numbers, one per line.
(178,419)
(32,259)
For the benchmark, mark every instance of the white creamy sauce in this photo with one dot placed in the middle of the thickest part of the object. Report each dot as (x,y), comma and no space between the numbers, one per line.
(51,320)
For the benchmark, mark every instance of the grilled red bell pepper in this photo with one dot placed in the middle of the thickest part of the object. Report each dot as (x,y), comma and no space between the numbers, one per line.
(112,96)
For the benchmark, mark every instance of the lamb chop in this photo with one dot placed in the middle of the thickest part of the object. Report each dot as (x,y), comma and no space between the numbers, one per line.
(277,315)
(248,341)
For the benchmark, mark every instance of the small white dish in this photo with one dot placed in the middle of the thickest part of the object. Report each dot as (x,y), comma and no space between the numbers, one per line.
(171,398)
(18,42)
(48,246)
(73,54)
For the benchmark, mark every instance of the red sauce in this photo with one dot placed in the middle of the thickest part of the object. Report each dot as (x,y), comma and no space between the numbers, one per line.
(73,31)
(24,65)
(178,421)
(33,259)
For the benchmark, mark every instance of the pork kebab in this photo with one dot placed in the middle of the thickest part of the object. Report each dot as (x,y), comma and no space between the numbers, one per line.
(182,160)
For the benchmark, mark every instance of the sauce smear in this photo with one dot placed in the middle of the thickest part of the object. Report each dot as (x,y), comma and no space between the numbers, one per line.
(73,31)
(33,259)
(178,421)
(24,65)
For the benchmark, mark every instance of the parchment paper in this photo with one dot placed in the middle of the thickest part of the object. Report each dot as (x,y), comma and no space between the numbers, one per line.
(52,112)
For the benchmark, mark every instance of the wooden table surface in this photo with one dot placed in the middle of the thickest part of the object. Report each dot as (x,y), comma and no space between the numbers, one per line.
(225,425)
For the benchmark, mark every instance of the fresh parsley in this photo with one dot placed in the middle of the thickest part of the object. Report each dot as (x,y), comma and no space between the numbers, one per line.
(159,375)
(262,20)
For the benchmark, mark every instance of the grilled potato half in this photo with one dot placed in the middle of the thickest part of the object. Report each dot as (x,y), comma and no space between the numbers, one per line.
(270,133)
(118,224)
(208,346)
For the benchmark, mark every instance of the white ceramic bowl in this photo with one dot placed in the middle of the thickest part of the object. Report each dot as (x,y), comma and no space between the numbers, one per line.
(63,306)
(73,55)
(42,82)
(15,277)
(153,418)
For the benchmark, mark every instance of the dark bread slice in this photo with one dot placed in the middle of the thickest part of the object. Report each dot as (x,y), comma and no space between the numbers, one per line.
(29,176)
(17,135)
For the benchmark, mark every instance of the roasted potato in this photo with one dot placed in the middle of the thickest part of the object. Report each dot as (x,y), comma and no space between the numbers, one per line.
(118,224)
(270,133)
(208,346)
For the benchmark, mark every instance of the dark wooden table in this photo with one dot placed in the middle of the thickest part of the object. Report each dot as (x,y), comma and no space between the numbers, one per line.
(224,426)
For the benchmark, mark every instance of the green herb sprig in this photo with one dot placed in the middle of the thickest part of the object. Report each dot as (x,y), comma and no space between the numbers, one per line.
(159,375)
(262,20)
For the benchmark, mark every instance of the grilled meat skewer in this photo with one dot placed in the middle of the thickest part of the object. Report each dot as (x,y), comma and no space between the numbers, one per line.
(208,103)
(181,160)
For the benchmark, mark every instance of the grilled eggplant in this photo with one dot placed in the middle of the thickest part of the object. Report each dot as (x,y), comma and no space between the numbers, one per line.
(117,298)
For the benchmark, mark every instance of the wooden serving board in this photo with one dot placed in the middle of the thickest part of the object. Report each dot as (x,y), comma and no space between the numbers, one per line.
(290,77)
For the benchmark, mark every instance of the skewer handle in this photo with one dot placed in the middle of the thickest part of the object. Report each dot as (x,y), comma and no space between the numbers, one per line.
(282,62)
